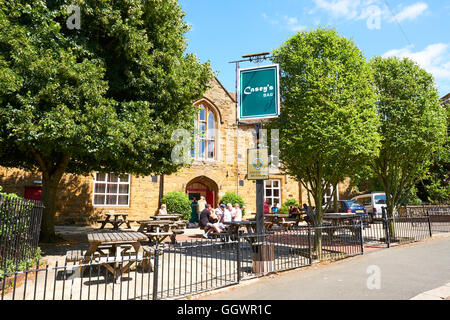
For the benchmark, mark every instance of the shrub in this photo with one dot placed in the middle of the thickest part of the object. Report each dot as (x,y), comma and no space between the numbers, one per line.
(178,202)
(10,195)
(232,198)
(285,206)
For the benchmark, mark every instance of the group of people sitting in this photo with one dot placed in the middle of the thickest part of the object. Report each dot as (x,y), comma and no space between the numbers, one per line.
(213,220)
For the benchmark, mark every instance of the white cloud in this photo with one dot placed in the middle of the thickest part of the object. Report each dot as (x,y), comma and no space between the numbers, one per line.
(293,24)
(435,58)
(411,12)
(365,9)
(290,23)
(340,8)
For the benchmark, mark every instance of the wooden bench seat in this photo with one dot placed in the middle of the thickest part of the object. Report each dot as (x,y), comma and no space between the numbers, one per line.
(74,255)
(155,234)
(287,224)
(149,255)
(117,259)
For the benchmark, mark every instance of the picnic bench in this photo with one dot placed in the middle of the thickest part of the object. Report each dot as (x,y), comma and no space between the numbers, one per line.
(117,243)
(158,230)
(278,219)
(346,220)
(235,226)
(171,217)
(115,219)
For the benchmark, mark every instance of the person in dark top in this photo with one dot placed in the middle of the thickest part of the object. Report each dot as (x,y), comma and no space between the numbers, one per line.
(293,212)
(206,223)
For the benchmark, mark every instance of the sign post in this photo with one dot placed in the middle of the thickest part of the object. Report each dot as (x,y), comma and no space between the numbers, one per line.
(259,99)
(258,169)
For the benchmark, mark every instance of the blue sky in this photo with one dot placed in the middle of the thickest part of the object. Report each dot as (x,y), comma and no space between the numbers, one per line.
(224,30)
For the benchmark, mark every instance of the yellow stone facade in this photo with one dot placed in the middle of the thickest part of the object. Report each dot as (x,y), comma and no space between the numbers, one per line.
(226,172)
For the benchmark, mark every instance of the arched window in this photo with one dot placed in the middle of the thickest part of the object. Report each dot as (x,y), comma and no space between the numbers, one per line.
(205,142)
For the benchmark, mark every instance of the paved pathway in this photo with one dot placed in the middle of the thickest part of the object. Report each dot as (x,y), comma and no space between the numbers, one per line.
(405,272)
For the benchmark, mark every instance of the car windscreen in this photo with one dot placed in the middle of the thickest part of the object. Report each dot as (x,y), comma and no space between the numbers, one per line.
(381,199)
(353,204)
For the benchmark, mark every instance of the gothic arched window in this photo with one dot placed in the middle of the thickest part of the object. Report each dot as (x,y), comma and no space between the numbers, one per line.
(205,142)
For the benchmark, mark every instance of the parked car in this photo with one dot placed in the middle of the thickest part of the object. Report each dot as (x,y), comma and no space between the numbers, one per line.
(373,202)
(349,206)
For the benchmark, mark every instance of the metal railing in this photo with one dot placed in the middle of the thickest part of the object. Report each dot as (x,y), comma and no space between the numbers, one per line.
(20,223)
(171,271)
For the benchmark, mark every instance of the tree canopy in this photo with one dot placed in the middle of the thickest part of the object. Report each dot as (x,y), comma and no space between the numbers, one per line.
(328,128)
(103,97)
(413,126)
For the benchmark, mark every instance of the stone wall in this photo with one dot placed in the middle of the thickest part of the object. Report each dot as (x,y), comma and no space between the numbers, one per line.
(75,199)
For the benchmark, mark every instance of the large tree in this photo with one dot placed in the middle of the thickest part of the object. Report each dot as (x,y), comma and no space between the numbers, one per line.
(413,127)
(106,96)
(435,187)
(328,128)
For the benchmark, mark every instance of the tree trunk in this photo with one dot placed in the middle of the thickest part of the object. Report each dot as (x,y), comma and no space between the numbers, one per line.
(318,243)
(318,223)
(391,223)
(52,172)
(49,194)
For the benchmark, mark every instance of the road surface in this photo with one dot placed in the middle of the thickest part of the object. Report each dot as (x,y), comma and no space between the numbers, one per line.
(398,273)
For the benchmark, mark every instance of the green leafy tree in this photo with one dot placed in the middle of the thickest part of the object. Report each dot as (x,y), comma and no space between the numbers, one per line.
(103,97)
(435,187)
(328,129)
(178,203)
(412,127)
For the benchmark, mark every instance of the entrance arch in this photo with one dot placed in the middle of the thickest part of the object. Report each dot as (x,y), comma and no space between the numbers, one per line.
(203,186)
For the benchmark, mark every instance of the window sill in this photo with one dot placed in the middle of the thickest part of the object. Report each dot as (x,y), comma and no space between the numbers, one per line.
(203,161)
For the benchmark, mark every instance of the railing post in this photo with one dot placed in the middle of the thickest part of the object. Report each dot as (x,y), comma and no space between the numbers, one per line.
(155,274)
(386,227)
(361,233)
(429,223)
(309,246)
(238,258)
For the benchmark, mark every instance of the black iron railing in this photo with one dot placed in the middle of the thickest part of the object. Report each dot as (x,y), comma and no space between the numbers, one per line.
(20,223)
(188,268)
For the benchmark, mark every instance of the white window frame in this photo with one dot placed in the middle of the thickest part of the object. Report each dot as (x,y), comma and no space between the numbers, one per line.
(272,197)
(334,190)
(105,182)
(198,138)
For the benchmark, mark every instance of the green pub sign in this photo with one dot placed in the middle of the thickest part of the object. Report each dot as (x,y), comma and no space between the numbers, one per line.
(259,96)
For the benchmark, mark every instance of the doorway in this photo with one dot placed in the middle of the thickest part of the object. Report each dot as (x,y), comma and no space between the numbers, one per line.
(203,186)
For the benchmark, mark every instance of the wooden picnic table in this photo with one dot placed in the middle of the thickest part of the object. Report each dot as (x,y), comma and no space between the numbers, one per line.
(114,219)
(113,240)
(234,226)
(172,217)
(297,217)
(280,219)
(157,230)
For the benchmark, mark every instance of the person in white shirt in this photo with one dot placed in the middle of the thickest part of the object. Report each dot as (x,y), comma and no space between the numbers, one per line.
(237,213)
(228,214)
(163,210)
(220,212)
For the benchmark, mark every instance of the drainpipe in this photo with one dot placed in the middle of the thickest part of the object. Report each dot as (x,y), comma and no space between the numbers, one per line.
(161,190)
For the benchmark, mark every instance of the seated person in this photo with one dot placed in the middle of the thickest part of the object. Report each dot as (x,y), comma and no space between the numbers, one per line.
(163,210)
(237,215)
(206,222)
(267,206)
(293,212)
(223,217)
(275,208)
(228,213)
